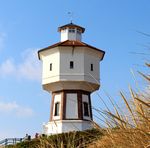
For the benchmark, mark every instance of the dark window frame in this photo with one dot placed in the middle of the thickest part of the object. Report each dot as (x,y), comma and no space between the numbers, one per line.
(92,67)
(57,109)
(72,30)
(71,64)
(86,109)
(50,66)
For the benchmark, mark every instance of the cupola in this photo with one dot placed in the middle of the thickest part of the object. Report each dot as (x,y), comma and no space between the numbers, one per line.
(71,32)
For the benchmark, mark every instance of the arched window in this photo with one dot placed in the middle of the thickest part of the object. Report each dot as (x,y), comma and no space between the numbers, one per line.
(86,109)
(57,107)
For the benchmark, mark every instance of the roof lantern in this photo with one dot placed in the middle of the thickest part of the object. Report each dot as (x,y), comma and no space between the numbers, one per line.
(71,31)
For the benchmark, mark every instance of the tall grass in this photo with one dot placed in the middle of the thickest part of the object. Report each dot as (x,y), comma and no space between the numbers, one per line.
(131,130)
(70,140)
(65,140)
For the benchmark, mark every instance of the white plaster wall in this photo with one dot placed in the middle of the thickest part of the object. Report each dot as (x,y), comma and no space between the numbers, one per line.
(85,98)
(53,127)
(77,56)
(83,58)
(60,58)
(71,106)
(71,36)
(65,126)
(91,57)
(71,85)
(51,56)
(64,35)
(78,37)
(57,98)
(75,125)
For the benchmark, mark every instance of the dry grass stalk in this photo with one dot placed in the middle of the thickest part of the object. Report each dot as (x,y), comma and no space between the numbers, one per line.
(131,136)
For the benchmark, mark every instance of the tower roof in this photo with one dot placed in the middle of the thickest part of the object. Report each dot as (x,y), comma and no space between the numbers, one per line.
(71,25)
(71,43)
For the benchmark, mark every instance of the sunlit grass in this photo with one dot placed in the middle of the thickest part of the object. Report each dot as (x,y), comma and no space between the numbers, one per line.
(130,129)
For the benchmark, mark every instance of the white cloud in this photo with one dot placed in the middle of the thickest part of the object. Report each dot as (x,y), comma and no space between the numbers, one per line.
(28,68)
(31,67)
(18,110)
(8,107)
(7,67)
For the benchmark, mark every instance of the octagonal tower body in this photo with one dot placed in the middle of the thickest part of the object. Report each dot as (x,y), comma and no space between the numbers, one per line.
(71,74)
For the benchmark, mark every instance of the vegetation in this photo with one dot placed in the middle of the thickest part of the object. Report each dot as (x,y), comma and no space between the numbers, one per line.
(65,140)
(130,129)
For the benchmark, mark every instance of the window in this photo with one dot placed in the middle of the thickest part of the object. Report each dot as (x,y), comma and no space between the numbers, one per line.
(50,67)
(57,106)
(91,67)
(71,64)
(78,31)
(86,109)
(71,30)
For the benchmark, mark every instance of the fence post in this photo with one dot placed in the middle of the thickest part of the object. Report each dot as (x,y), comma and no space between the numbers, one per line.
(6,142)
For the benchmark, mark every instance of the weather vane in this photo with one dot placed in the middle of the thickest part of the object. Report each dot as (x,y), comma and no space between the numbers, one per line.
(70,16)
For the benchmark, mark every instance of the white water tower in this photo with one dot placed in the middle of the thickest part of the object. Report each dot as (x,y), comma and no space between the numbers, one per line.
(71,73)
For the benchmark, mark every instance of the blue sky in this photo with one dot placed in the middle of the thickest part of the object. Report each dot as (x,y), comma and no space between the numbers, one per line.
(26,26)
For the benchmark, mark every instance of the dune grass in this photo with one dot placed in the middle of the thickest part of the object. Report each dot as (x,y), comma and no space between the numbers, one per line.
(64,140)
(130,129)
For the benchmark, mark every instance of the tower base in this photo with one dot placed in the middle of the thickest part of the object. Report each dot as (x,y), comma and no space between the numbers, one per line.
(63,126)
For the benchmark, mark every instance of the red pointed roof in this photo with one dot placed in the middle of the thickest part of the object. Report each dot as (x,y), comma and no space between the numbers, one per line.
(71,43)
(71,25)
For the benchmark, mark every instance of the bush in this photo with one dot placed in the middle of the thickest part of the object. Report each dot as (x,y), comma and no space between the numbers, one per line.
(64,140)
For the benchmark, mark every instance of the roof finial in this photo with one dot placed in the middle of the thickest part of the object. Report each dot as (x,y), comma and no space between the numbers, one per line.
(70,16)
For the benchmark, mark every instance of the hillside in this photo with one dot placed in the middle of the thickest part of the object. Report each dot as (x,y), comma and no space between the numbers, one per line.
(124,130)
